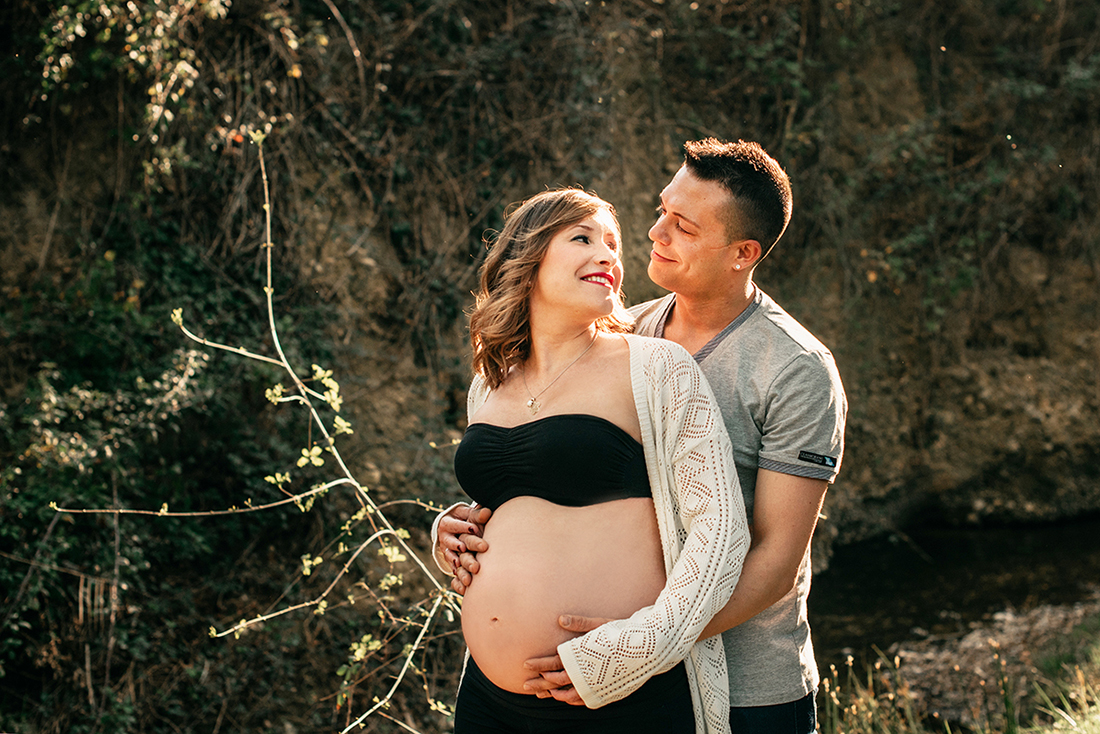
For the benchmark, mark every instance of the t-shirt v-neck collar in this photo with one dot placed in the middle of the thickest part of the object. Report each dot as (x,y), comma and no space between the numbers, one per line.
(707,349)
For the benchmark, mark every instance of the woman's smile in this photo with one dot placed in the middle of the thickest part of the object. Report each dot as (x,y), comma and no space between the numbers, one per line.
(604,279)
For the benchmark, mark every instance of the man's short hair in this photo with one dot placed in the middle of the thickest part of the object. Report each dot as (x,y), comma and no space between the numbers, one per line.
(759,187)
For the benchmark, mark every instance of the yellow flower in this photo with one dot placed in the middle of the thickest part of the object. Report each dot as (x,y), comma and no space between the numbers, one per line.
(311,456)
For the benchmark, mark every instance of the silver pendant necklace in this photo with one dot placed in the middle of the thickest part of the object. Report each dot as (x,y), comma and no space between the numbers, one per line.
(533,403)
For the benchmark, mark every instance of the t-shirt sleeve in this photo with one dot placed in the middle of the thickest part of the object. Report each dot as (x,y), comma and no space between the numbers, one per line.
(803,431)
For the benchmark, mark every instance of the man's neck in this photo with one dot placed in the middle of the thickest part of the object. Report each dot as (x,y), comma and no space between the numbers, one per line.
(696,320)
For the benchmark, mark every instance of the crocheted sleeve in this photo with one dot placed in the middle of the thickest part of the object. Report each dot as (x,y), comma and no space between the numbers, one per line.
(700,513)
(478,393)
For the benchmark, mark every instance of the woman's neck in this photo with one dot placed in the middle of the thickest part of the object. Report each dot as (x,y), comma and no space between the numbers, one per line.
(553,351)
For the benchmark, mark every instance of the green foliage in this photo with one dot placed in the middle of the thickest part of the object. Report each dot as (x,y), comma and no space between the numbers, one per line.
(111,410)
(88,41)
(124,417)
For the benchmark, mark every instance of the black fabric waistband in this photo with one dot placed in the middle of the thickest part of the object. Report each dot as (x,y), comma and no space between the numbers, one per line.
(669,683)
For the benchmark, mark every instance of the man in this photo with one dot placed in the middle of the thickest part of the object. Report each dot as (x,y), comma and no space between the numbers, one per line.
(784,408)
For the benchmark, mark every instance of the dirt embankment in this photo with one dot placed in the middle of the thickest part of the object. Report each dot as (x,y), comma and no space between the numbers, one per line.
(1003,425)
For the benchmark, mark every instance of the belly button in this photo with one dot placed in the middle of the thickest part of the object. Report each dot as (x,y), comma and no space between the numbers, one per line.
(494,620)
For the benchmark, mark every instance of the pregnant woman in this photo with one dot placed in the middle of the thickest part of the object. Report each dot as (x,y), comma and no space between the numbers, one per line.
(611,480)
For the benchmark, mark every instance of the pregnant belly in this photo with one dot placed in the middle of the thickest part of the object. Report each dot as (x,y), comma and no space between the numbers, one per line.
(543,561)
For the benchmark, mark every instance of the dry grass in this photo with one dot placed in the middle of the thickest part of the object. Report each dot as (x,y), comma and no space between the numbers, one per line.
(1037,672)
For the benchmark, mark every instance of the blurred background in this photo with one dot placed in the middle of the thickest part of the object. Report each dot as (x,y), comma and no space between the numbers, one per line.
(945,245)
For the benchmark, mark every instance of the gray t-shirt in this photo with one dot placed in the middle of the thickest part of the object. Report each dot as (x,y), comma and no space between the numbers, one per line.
(784,408)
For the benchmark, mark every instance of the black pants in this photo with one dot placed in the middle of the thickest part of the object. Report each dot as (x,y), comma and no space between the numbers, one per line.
(796,717)
(661,706)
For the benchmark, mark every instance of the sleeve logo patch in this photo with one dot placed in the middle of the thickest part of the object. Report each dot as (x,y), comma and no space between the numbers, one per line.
(821,459)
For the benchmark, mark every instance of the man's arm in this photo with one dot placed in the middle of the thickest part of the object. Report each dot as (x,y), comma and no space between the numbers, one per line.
(784,516)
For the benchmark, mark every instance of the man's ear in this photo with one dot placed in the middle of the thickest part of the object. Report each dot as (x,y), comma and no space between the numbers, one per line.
(746,254)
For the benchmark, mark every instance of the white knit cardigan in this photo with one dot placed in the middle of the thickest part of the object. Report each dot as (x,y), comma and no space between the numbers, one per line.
(704,539)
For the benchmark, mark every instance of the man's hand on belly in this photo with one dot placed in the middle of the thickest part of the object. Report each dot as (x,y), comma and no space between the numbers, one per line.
(552,680)
(579,624)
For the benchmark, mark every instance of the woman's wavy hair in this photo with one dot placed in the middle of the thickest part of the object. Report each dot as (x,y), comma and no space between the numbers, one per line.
(500,331)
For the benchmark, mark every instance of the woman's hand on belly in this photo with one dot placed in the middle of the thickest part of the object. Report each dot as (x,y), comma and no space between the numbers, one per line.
(545,560)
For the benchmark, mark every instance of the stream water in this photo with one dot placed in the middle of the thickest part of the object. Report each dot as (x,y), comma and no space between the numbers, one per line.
(939,581)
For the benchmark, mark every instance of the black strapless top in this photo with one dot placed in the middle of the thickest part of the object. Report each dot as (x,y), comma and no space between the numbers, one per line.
(571,460)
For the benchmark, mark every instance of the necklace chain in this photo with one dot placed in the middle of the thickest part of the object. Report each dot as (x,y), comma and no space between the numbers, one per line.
(533,402)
